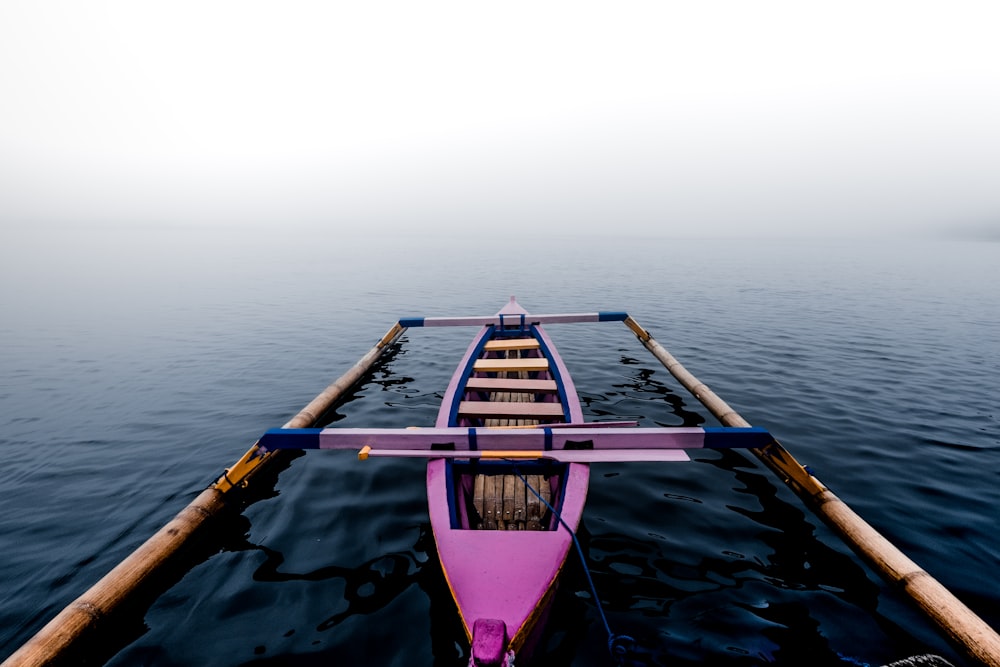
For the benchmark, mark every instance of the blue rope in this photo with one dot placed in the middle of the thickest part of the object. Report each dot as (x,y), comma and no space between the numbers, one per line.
(616,643)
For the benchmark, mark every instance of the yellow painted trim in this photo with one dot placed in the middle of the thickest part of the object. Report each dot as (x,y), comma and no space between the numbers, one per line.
(396,329)
(517,641)
(636,329)
(235,475)
(782,462)
(454,598)
(511,454)
(363,454)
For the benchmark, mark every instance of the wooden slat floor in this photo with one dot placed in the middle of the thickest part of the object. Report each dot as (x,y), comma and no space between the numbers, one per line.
(503,501)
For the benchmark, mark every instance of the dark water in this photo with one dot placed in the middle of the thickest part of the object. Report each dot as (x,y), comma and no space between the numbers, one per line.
(135,366)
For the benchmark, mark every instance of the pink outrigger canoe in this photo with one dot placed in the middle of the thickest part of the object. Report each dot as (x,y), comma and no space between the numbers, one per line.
(508,472)
(503,580)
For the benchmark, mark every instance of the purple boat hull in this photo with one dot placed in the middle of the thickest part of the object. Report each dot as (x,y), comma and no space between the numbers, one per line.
(502,580)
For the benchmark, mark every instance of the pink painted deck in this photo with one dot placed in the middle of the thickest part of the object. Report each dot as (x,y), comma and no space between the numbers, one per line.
(503,575)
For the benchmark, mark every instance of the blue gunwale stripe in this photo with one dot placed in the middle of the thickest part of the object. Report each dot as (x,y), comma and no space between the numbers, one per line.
(611,316)
(466,374)
(291,438)
(749,437)
(410,322)
(450,488)
(554,371)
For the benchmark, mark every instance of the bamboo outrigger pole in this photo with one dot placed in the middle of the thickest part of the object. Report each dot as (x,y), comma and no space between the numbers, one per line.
(80,619)
(956,621)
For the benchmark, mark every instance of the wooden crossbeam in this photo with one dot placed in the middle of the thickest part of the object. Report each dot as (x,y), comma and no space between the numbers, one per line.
(512,344)
(512,384)
(512,410)
(498,365)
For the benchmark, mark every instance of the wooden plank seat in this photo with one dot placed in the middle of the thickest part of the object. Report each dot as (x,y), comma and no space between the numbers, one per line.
(502,365)
(510,410)
(512,384)
(512,344)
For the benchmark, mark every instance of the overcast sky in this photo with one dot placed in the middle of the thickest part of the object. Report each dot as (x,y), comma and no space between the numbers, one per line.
(745,118)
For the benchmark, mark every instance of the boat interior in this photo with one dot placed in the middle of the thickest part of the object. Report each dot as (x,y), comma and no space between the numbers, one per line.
(511,385)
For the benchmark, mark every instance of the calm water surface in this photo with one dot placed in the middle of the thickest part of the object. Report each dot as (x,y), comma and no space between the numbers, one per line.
(135,366)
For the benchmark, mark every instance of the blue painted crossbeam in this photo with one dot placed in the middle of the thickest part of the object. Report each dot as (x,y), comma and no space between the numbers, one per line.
(513,319)
(581,445)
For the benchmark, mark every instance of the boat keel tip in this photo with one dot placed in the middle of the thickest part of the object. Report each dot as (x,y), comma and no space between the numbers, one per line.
(489,643)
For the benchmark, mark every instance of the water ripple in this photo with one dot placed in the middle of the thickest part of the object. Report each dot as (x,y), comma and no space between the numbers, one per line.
(875,365)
